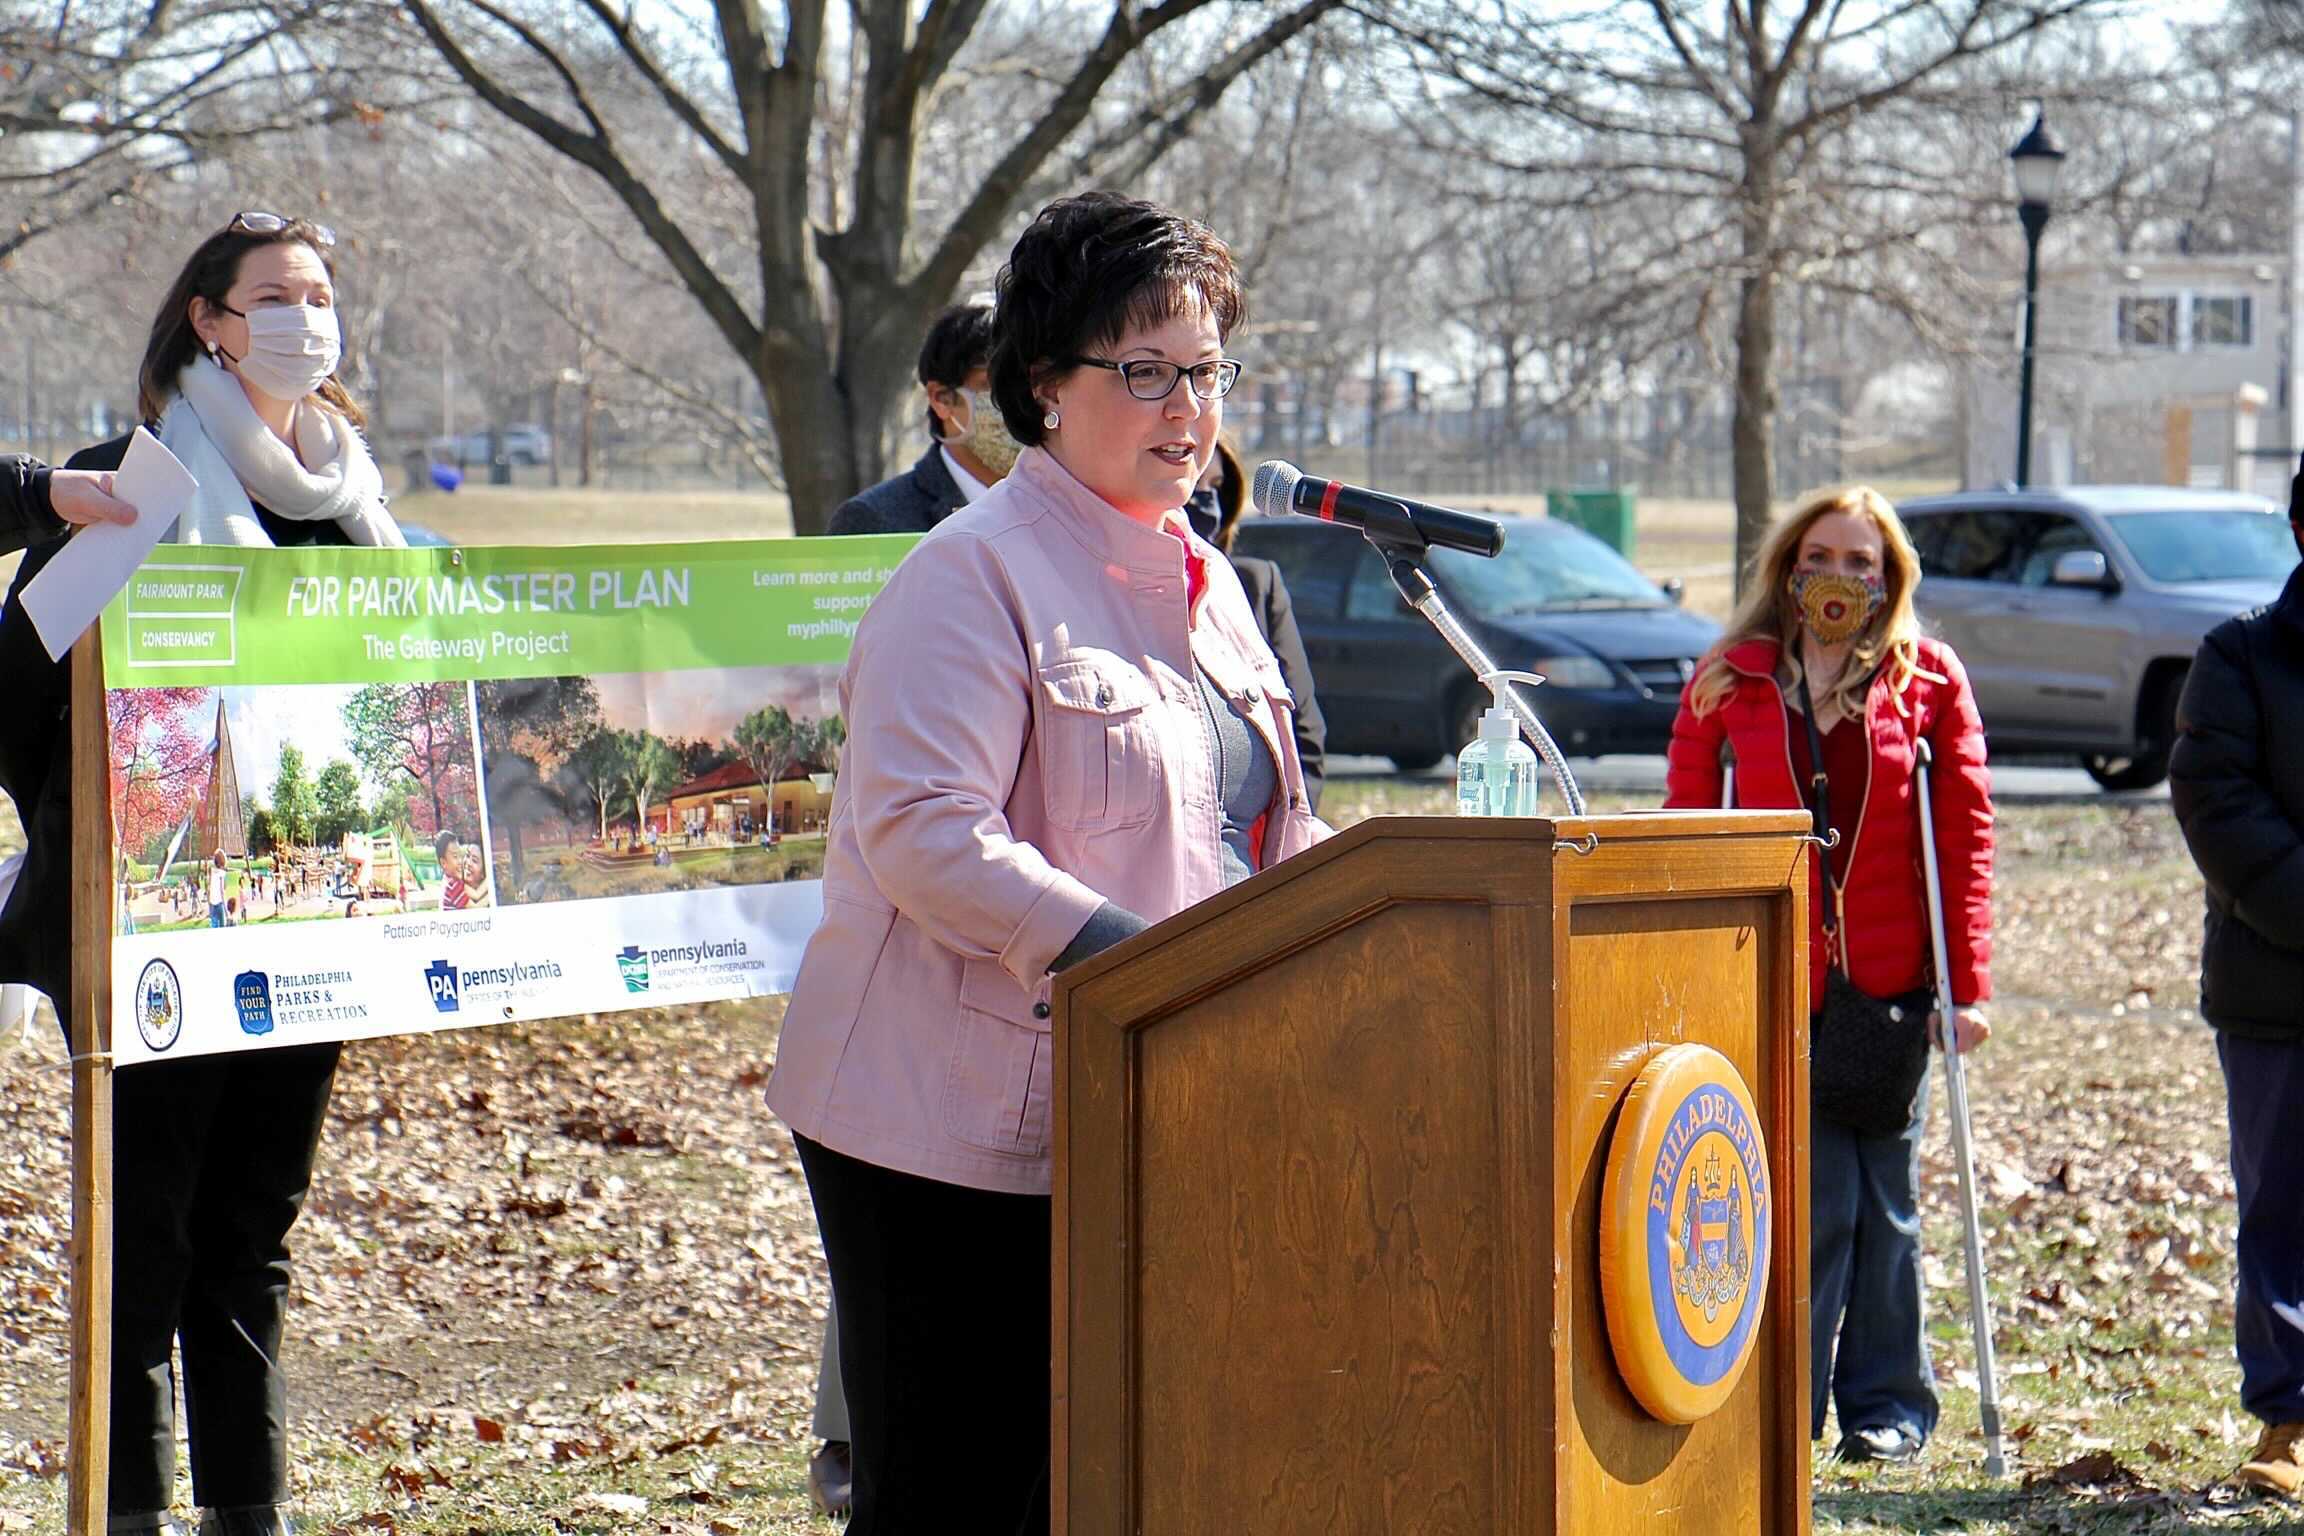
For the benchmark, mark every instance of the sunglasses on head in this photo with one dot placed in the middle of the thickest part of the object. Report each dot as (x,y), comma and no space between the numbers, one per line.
(257,222)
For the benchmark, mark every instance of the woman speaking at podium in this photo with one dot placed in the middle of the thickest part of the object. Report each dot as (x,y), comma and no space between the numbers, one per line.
(1063,724)
(1818,696)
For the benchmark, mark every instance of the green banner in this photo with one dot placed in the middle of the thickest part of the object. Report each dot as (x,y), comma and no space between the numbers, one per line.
(203,615)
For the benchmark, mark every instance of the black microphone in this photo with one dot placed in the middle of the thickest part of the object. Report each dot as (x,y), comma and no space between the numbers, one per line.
(1282,487)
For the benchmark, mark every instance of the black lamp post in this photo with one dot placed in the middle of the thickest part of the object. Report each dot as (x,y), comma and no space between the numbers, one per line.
(2038,162)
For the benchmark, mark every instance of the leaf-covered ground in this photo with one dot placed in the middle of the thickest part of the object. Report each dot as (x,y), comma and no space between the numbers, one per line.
(562,1278)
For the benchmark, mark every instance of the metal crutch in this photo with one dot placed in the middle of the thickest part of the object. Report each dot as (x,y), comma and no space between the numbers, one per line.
(1963,1148)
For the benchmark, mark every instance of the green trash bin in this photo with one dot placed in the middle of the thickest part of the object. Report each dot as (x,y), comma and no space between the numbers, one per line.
(1606,515)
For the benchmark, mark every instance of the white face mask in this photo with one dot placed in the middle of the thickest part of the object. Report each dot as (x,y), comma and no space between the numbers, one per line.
(292,348)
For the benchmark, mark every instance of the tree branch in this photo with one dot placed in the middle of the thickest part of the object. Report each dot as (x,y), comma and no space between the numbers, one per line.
(682,107)
(594,151)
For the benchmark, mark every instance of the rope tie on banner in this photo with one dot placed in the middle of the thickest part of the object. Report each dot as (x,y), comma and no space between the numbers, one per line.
(70,1062)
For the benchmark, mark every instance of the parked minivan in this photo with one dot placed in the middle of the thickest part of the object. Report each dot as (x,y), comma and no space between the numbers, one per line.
(1614,647)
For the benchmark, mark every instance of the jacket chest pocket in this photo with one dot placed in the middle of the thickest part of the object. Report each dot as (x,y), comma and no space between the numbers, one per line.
(1099,747)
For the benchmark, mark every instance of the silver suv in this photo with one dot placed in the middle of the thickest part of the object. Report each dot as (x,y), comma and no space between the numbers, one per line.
(2077,610)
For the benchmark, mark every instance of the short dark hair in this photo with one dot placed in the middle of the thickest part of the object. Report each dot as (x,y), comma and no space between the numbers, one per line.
(1085,271)
(959,342)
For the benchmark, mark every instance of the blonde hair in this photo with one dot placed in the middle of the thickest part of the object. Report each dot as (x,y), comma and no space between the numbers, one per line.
(1768,613)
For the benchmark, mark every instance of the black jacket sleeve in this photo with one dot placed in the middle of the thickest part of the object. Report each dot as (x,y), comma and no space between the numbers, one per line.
(25,514)
(2249,851)
(1279,619)
(36,772)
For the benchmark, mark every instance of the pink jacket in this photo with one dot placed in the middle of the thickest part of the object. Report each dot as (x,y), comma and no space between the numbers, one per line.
(1025,742)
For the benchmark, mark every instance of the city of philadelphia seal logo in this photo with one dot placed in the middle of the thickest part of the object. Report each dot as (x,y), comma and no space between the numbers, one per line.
(159,1005)
(1686,1216)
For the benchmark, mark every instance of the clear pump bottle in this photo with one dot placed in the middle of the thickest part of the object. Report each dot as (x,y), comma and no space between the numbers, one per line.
(1497,772)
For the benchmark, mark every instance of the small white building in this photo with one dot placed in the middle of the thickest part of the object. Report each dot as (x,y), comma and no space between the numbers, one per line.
(2171,370)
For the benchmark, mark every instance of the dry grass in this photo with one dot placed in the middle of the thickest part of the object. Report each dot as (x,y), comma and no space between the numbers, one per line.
(516,515)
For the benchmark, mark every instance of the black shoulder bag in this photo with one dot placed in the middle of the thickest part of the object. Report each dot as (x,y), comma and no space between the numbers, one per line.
(1866,1055)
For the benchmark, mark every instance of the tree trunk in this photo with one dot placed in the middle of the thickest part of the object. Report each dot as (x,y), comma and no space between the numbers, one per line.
(1752,436)
(832,404)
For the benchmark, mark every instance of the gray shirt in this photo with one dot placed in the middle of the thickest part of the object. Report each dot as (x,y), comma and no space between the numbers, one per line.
(1246,779)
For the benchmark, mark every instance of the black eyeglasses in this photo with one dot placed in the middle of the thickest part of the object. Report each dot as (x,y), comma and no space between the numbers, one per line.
(257,222)
(1150,379)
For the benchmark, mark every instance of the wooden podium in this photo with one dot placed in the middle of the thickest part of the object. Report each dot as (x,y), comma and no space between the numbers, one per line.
(1329,1161)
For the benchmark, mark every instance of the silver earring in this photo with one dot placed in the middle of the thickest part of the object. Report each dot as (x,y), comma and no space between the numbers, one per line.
(1051,421)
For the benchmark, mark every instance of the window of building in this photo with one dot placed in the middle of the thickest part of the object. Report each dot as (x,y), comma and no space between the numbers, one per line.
(2223,322)
(2148,320)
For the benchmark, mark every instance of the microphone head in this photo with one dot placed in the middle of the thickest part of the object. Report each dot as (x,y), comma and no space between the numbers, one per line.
(1273,492)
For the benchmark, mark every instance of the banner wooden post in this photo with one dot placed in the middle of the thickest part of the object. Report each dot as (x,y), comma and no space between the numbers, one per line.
(89,1448)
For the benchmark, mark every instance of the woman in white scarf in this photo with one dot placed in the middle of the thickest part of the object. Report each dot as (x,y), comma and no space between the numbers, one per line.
(240,376)
(213,1155)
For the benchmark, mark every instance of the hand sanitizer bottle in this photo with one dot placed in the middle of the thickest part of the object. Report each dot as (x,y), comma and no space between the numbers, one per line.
(1496,772)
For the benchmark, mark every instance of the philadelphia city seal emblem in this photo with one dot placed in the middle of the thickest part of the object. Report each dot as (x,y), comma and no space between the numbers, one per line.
(159,1005)
(1686,1215)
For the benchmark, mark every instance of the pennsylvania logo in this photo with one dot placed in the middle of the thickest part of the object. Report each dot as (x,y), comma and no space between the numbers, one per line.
(632,962)
(440,979)
(487,986)
(252,998)
(1686,1218)
(159,1005)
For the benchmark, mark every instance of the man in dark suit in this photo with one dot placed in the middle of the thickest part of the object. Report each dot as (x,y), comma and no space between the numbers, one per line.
(969,448)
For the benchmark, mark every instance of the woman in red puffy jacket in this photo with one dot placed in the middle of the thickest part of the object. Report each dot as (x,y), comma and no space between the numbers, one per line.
(1830,606)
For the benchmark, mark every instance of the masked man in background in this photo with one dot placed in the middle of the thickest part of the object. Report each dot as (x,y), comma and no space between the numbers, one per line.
(969,448)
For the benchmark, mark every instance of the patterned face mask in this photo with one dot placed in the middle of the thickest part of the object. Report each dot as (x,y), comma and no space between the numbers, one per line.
(1836,607)
(987,435)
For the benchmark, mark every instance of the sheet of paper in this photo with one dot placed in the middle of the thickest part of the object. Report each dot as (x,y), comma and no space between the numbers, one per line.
(96,562)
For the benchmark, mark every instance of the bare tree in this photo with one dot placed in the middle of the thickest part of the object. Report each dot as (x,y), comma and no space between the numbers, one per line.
(105,100)
(825,294)
(1755,127)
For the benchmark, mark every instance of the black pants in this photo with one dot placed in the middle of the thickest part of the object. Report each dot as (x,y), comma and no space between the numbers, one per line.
(2264,1086)
(944,1348)
(211,1159)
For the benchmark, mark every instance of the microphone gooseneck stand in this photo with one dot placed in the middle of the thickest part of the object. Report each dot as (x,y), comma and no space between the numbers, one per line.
(1403,549)
(1395,531)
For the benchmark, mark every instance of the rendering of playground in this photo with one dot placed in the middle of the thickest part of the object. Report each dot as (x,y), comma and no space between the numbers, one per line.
(630,784)
(294,804)
(246,805)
